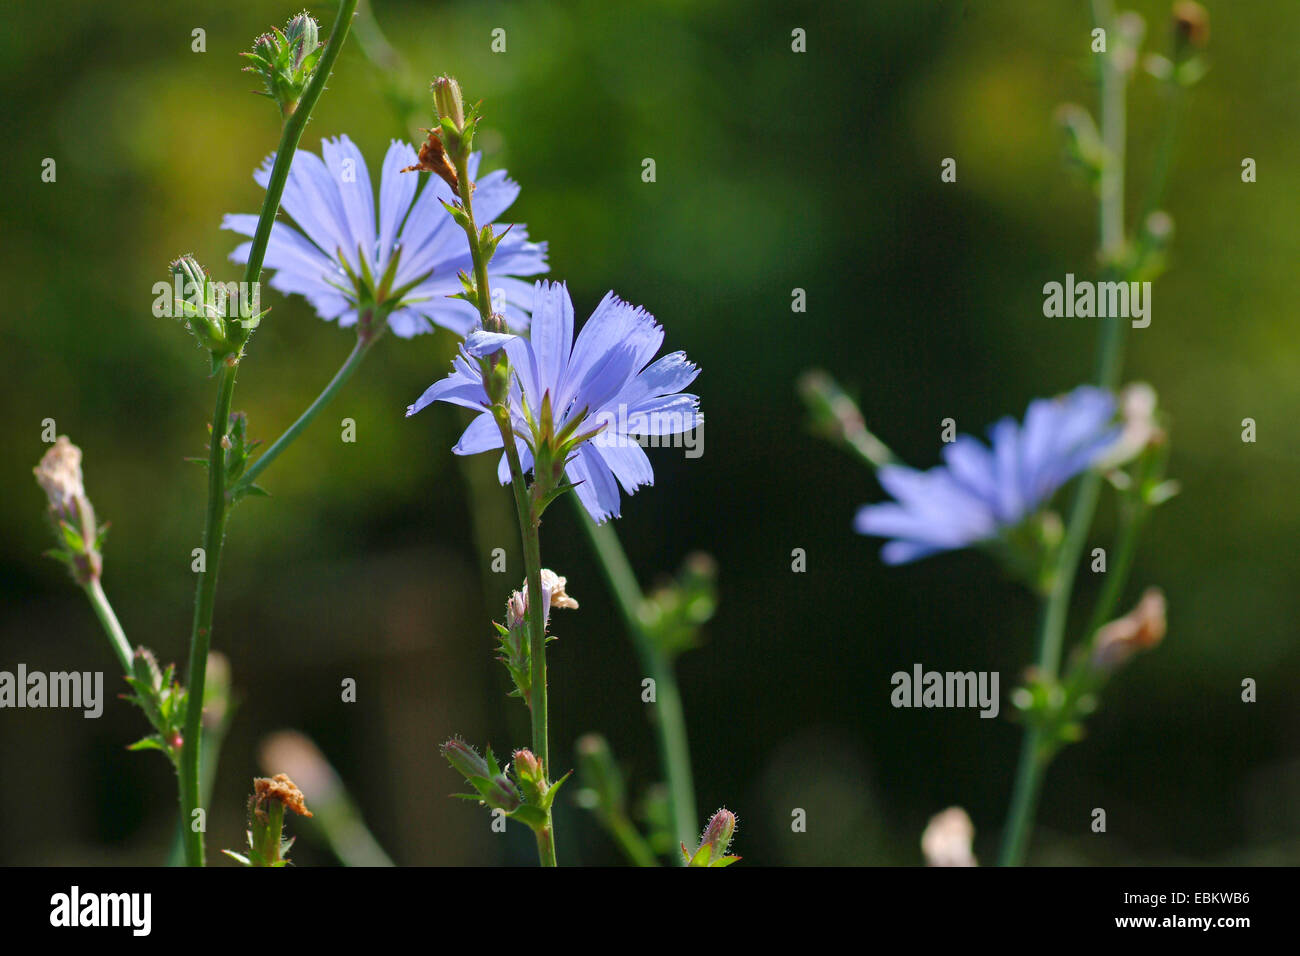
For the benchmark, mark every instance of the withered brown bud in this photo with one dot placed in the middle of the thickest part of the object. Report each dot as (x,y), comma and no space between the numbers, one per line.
(1140,629)
(433,159)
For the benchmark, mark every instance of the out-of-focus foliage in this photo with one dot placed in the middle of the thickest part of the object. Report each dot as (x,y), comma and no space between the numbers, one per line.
(774,171)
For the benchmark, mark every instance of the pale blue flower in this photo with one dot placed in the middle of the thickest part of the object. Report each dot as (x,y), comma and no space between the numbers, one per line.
(332,203)
(981,491)
(598,383)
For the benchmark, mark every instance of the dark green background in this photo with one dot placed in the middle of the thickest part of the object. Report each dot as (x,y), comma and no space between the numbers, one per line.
(775,170)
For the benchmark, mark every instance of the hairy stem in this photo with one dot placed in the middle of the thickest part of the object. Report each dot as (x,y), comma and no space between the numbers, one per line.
(529,521)
(215,526)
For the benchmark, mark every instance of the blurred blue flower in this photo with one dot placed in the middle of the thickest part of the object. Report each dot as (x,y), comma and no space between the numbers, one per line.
(338,259)
(599,386)
(980,491)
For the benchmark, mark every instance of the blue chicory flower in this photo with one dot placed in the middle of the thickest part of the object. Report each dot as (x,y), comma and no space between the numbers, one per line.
(337,258)
(598,383)
(980,491)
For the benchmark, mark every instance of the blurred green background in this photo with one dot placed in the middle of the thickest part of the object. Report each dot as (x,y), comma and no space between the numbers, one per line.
(775,170)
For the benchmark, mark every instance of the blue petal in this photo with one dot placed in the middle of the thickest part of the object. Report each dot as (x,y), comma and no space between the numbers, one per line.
(481,435)
(665,415)
(594,485)
(551,334)
(396,190)
(625,460)
(461,387)
(481,344)
(615,344)
(493,195)
(347,168)
(312,200)
(971,464)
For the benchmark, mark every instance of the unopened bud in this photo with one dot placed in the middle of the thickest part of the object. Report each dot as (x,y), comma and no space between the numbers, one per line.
(714,841)
(303,36)
(448,101)
(285,60)
(465,758)
(527,766)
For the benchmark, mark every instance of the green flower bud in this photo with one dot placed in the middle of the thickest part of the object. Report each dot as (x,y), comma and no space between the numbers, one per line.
(465,759)
(303,36)
(448,101)
(197,306)
(717,835)
(285,60)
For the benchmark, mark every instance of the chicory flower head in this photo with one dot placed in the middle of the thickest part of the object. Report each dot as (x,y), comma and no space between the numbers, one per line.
(980,492)
(588,400)
(404,267)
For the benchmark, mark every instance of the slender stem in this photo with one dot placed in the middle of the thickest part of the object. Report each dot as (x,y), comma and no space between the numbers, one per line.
(324,398)
(289,137)
(670,725)
(1165,152)
(1024,799)
(1132,520)
(630,841)
(529,520)
(215,526)
(214,533)
(1051,637)
(116,636)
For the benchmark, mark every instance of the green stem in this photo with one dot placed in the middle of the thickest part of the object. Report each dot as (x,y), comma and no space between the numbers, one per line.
(529,521)
(546,842)
(340,379)
(670,725)
(1132,520)
(630,841)
(289,137)
(215,526)
(1056,602)
(214,533)
(116,636)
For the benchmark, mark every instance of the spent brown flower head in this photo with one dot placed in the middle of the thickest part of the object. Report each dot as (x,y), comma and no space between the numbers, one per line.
(281,788)
(433,159)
